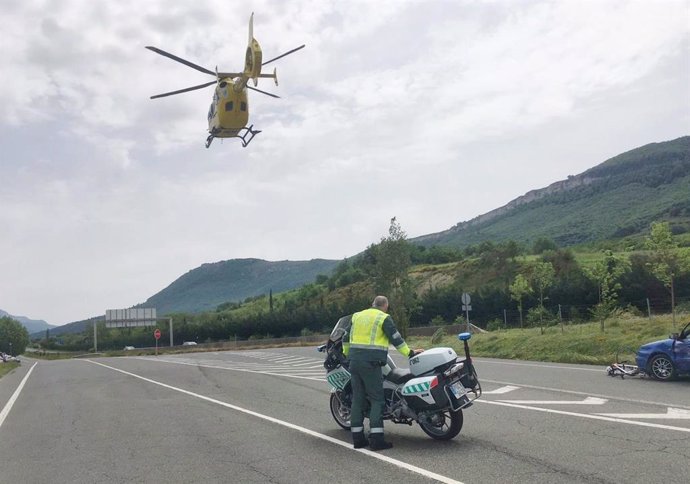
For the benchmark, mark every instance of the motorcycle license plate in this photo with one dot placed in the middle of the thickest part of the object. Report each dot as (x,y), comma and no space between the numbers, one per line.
(457,390)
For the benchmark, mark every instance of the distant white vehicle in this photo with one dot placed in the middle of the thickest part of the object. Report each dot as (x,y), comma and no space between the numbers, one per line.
(129,348)
(189,343)
(4,357)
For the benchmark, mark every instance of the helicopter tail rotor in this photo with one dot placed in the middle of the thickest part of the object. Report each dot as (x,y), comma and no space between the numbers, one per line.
(252,59)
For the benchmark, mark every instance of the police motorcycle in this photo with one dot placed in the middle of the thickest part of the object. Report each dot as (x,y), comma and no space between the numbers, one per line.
(433,392)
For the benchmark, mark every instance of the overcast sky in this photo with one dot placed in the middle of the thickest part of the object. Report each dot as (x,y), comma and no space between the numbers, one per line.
(431,111)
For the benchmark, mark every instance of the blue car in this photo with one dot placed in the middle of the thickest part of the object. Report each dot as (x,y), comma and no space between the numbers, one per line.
(668,358)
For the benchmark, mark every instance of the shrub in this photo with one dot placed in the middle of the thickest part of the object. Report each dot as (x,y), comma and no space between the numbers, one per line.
(438,336)
(494,325)
(437,321)
(540,315)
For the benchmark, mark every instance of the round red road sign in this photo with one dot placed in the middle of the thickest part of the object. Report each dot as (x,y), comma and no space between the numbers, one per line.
(157,334)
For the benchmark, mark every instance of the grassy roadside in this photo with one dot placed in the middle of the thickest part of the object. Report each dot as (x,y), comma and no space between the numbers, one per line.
(581,343)
(571,343)
(165,350)
(7,367)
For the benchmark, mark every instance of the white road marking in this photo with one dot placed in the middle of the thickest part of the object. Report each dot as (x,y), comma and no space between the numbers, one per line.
(504,403)
(481,360)
(246,370)
(671,414)
(347,445)
(586,401)
(586,415)
(15,395)
(310,362)
(573,392)
(282,359)
(501,390)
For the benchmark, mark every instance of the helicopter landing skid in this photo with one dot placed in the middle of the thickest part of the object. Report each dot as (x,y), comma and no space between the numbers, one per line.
(246,135)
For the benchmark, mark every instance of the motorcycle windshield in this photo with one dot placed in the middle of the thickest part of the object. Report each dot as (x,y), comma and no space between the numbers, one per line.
(341,328)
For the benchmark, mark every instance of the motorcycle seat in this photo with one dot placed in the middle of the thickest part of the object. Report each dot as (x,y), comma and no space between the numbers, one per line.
(399,376)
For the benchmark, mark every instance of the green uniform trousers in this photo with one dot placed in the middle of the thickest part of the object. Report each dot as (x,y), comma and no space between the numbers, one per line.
(367,384)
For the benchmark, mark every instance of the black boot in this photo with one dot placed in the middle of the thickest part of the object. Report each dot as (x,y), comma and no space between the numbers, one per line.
(376,442)
(359,440)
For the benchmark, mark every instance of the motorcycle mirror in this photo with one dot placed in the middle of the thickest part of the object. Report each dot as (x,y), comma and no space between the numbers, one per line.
(464,336)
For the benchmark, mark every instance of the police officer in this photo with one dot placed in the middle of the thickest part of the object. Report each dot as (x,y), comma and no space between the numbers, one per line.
(371,333)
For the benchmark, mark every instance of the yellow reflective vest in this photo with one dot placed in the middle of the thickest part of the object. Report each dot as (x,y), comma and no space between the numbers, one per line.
(371,332)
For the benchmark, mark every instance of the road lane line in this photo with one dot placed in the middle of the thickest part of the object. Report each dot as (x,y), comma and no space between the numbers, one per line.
(585,415)
(671,414)
(574,392)
(586,401)
(556,367)
(501,390)
(511,385)
(347,445)
(308,363)
(246,370)
(15,395)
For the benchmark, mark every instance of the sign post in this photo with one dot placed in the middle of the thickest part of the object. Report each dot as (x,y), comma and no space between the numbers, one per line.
(131,318)
(157,335)
(466,300)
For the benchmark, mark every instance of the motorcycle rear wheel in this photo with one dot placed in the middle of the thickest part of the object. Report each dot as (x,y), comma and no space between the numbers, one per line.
(340,412)
(441,425)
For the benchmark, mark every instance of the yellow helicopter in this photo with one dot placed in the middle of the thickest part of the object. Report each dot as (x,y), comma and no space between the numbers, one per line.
(229,111)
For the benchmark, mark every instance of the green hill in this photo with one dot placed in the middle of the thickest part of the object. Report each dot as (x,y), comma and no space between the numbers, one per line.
(210,285)
(31,325)
(617,198)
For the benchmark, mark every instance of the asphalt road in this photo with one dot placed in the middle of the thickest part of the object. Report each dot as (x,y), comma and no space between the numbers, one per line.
(262,416)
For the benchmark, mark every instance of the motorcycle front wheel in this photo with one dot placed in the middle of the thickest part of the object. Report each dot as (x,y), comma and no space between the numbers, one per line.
(441,425)
(340,412)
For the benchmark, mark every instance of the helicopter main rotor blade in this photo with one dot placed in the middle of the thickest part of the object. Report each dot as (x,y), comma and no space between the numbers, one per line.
(263,92)
(180,60)
(180,91)
(283,55)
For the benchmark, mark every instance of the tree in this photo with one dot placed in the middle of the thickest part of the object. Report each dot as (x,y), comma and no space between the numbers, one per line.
(542,276)
(518,290)
(543,244)
(606,274)
(392,257)
(14,338)
(668,261)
